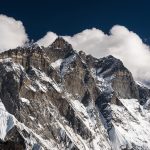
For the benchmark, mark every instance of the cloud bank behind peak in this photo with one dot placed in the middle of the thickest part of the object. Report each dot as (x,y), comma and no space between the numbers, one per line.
(120,42)
(12,33)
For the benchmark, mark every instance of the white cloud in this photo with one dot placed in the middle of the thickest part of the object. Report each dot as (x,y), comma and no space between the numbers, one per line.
(121,43)
(12,33)
(47,39)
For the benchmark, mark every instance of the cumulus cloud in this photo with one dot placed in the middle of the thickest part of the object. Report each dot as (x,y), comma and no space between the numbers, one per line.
(47,39)
(120,42)
(12,33)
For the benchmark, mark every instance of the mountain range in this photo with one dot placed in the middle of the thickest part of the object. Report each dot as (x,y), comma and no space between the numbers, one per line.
(55,98)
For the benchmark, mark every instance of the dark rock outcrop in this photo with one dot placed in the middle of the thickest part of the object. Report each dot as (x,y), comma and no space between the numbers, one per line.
(144,94)
(13,141)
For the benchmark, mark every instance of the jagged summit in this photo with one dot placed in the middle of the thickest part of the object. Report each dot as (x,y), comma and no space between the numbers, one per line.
(60,43)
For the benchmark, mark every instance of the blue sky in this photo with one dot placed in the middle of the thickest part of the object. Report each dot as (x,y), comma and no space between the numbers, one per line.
(68,17)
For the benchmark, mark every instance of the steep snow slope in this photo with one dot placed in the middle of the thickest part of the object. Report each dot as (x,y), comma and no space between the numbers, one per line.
(132,121)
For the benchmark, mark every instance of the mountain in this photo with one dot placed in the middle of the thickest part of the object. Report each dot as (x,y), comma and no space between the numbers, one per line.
(55,98)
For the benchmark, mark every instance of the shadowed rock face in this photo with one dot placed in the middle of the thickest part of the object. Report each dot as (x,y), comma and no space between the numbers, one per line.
(121,79)
(60,99)
(122,82)
(144,94)
(59,49)
(14,141)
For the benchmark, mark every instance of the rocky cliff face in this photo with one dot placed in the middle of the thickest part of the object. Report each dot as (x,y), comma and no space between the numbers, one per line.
(57,98)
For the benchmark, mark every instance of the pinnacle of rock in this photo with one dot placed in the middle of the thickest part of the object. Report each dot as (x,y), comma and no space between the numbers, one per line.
(60,43)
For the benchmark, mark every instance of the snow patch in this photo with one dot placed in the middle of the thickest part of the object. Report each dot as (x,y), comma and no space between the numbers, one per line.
(24,100)
(57,63)
(32,118)
(41,86)
(65,66)
(32,88)
(43,77)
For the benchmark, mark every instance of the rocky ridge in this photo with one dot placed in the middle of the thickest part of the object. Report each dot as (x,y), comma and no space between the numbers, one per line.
(57,98)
